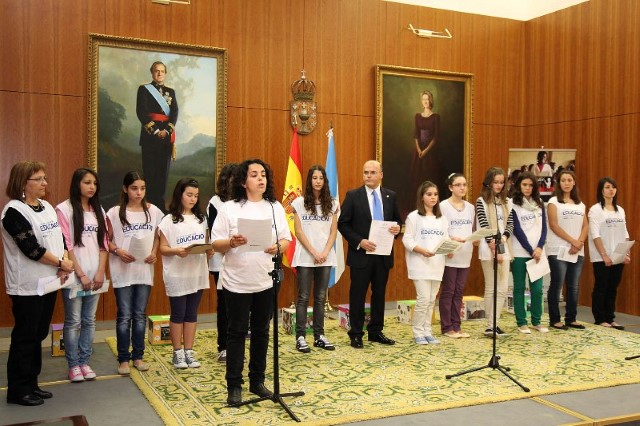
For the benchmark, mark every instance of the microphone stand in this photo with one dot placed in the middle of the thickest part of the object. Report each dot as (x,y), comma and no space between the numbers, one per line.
(494,362)
(277,275)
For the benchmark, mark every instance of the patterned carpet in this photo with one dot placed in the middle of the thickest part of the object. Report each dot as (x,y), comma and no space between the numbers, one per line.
(348,385)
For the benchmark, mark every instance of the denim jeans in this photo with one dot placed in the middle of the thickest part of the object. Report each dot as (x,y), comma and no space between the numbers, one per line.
(562,272)
(131,321)
(320,276)
(79,327)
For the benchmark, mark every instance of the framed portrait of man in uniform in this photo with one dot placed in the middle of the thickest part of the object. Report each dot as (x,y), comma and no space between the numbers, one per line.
(156,108)
(423,128)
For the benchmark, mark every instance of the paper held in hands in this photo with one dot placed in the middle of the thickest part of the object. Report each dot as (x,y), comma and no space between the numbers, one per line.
(481,234)
(447,246)
(199,248)
(621,251)
(53,283)
(380,235)
(77,291)
(139,248)
(258,234)
(538,269)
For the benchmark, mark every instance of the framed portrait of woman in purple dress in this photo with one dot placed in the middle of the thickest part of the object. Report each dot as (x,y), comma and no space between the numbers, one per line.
(423,128)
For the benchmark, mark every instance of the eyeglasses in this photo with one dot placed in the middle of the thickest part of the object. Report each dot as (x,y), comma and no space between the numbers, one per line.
(39,179)
(458,185)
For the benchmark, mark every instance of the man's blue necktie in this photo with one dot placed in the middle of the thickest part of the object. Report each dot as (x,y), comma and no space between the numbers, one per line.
(377,207)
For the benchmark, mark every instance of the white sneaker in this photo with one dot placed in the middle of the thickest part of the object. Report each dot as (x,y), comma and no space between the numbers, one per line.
(222,356)
(524,329)
(190,358)
(179,359)
(302,346)
(540,328)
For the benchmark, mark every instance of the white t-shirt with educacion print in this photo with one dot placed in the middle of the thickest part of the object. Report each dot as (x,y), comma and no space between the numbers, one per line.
(609,226)
(570,219)
(317,229)
(184,275)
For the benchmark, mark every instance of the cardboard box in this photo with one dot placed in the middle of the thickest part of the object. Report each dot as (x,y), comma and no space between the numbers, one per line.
(343,316)
(57,340)
(289,320)
(472,308)
(159,330)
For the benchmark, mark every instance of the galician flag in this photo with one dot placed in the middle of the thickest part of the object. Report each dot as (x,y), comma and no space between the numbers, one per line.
(332,176)
(292,190)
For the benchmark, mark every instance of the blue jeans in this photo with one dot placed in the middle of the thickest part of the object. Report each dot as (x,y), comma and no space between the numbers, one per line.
(320,276)
(79,327)
(131,321)
(562,272)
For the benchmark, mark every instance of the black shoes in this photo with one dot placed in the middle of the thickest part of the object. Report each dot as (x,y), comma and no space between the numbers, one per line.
(356,342)
(381,338)
(576,326)
(27,400)
(234,396)
(42,394)
(260,390)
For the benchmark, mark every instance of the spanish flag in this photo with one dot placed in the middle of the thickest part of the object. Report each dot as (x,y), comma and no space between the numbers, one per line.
(292,190)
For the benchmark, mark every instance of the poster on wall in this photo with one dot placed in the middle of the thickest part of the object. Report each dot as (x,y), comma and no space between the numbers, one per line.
(159,109)
(423,129)
(544,163)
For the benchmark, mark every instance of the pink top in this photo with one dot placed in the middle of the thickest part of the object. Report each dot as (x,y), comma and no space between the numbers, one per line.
(64,226)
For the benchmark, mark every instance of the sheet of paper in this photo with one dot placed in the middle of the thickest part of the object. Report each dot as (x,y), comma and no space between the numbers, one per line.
(621,251)
(139,248)
(380,235)
(481,234)
(539,269)
(77,291)
(50,284)
(563,254)
(448,246)
(199,248)
(257,232)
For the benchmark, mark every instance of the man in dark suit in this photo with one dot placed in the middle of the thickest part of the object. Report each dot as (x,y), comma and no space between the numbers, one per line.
(359,208)
(157,110)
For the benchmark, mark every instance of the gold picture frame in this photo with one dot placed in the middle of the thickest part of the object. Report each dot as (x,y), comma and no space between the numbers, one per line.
(398,101)
(118,66)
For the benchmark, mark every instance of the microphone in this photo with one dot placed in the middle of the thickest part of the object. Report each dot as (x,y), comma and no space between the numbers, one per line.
(277,274)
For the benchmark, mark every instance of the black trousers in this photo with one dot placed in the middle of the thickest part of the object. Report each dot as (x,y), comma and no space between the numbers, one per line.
(222,323)
(605,291)
(32,316)
(242,309)
(375,273)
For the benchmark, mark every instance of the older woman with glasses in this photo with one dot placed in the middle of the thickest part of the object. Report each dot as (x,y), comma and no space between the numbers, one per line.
(33,249)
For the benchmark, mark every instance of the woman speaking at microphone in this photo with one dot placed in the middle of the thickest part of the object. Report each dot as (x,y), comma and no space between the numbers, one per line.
(248,288)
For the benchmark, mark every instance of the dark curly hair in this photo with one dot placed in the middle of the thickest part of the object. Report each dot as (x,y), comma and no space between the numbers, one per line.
(326,202)
(223,188)
(239,192)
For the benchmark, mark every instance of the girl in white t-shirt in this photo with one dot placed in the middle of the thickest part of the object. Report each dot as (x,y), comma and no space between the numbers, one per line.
(316,227)
(530,231)
(185,274)
(83,224)
(493,211)
(460,216)
(246,279)
(607,228)
(425,229)
(133,243)
(568,228)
